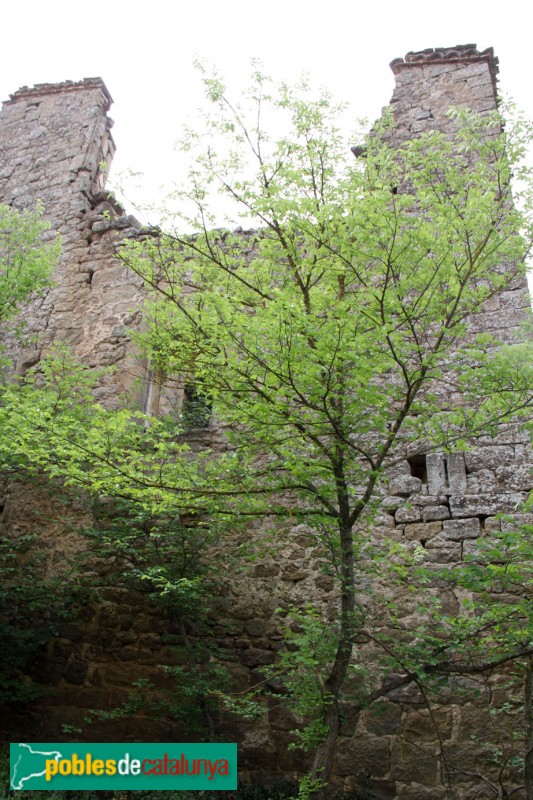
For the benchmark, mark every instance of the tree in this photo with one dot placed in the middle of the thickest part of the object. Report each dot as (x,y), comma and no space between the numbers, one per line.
(327,338)
(324,336)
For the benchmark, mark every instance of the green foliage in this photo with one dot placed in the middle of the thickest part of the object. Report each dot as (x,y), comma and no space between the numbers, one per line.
(304,666)
(158,554)
(196,412)
(26,257)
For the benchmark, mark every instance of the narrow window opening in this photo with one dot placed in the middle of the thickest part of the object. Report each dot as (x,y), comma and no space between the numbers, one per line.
(418,467)
(446,474)
(196,410)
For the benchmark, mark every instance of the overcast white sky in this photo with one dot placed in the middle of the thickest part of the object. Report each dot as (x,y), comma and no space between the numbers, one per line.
(144,52)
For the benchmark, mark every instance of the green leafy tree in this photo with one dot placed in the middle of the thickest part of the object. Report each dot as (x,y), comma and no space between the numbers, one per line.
(328,339)
(324,337)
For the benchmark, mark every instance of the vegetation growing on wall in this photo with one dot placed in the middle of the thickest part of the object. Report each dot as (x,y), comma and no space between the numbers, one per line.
(27,617)
(163,558)
(26,258)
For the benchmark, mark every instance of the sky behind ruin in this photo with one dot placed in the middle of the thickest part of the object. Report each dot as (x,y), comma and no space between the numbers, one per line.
(144,51)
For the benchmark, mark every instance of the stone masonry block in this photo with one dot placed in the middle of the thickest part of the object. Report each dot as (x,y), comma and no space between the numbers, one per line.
(409,763)
(456,473)
(429,500)
(422,531)
(489,457)
(432,513)
(437,483)
(486,504)
(420,725)
(443,551)
(405,485)
(459,529)
(356,755)
(408,514)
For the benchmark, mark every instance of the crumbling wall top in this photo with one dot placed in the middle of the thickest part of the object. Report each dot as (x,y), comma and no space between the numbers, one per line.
(459,54)
(41,89)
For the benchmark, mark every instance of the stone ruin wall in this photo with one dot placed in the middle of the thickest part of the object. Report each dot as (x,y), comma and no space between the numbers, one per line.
(56,146)
(53,141)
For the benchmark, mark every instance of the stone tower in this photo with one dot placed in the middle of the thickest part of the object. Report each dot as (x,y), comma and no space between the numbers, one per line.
(56,147)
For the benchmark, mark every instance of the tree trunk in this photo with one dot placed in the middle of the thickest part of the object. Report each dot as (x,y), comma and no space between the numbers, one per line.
(325,751)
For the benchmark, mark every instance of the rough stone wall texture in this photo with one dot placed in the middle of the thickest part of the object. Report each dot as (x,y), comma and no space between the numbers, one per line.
(52,140)
(430,82)
(54,143)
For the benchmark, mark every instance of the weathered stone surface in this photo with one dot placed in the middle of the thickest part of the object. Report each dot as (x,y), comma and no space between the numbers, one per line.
(428,500)
(486,504)
(415,791)
(433,513)
(458,529)
(408,514)
(456,473)
(442,551)
(489,457)
(515,477)
(411,764)
(437,483)
(405,485)
(266,570)
(382,718)
(242,612)
(373,789)
(420,725)
(422,531)
(254,627)
(391,502)
(254,657)
(325,583)
(76,670)
(511,522)
(479,724)
(282,718)
(356,755)
(292,572)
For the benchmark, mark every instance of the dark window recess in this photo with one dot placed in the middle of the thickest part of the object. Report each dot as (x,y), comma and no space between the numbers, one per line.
(418,467)
(196,410)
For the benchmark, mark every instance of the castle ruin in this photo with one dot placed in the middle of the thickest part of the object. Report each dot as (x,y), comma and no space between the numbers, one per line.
(54,142)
